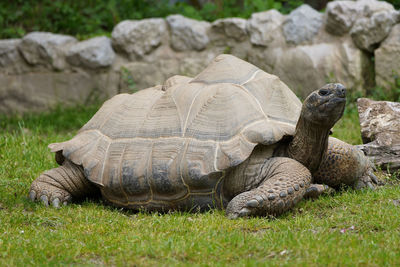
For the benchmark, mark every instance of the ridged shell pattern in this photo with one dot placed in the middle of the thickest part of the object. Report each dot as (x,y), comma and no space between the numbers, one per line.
(169,143)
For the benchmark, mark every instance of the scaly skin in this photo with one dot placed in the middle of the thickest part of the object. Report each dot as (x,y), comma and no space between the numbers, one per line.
(60,185)
(345,164)
(283,184)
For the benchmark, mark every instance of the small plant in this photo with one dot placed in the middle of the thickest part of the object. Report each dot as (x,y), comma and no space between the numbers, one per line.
(227,49)
(128,80)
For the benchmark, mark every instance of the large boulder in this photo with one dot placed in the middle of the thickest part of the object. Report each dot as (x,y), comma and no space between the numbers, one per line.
(265,28)
(139,75)
(42,90)
(230,28)
(188,34)
(380,131)
(9,52)
(305,68)
(302,24)
(143,74)
(341,15)
(44,48)
(367,33)
(387,60)
(93,53)
(137,38)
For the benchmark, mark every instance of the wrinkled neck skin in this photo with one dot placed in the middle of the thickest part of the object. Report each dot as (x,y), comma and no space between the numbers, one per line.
(309,143)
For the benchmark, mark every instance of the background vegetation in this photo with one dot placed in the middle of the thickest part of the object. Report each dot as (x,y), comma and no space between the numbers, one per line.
(97,17)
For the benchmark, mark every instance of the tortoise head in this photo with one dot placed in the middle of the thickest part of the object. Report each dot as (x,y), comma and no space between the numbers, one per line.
(325,106)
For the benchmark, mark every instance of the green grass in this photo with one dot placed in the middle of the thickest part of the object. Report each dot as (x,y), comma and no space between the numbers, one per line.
(346,229)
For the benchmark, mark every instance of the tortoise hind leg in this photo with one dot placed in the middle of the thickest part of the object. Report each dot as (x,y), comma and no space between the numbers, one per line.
(345,164)
(61,185)
(283,185)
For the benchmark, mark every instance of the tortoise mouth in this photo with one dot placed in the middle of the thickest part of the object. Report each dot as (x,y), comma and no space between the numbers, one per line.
(333,101)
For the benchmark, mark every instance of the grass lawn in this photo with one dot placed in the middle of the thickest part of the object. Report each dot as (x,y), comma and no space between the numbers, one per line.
(344,229)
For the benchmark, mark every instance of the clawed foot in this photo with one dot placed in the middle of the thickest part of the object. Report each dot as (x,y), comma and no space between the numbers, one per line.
(315,190)
(368,180)
(244,205)
(263,202)
(48,194)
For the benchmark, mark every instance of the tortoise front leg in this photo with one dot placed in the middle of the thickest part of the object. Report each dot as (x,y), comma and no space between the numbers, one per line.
(60,185)
(283,185)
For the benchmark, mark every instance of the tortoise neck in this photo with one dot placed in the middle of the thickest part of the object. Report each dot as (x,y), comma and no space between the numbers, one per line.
(309,143)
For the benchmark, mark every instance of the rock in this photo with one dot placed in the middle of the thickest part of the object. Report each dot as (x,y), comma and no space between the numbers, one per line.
(193,64)
(140,75)
(302,25)
(42,90)
(234,28)
(367,33)
(341,15)
(138,38)
(9,52)
(387,60)
(44,48)
(265,27)
(93,53)
(380,131)
(188,34)
(305,68)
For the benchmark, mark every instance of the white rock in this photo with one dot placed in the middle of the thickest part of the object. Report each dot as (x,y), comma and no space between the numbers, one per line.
(93,53)
(138,75)
(367,33)
(341,15)
(380,130)
(302,25)
(38,91)
(9,52)
(138,37)
(188,34)
(44,48)
(265,27)
(234,28)
(387,59)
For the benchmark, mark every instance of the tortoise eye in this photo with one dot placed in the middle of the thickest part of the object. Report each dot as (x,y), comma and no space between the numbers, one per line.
(323,92)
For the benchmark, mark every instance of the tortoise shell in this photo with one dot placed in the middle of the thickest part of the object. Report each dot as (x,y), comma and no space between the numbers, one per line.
(169,143)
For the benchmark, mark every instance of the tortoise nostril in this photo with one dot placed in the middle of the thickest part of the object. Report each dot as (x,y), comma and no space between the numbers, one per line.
(342,92)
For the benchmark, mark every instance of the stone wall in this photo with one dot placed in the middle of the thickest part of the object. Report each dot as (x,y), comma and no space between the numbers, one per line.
(305,49)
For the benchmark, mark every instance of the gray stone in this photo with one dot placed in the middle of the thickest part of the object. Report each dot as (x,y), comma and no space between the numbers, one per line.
(341,15)
(93,53)
(43,48)
(140,75)
(380,131)
(9,52)
(234,28)
(302,25)
(193,64)
(387,59)
(367,33)
(265,27)
(40,91)
(188,34)
(138,37)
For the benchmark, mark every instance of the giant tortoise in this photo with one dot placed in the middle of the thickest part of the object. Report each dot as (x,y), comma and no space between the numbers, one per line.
(233,137)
